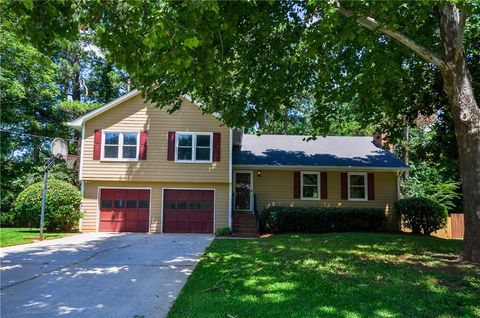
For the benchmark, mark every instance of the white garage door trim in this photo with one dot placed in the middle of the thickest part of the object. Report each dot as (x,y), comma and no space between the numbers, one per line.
(208,189)
(99,189)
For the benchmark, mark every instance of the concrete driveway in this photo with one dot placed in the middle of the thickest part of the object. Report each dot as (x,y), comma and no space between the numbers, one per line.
(98,275)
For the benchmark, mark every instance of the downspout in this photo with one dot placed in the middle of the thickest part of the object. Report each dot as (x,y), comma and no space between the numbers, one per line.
(80,175)
(399,193)
(399,196)
(230,173)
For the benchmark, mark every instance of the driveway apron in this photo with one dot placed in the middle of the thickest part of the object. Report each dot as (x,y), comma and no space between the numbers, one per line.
(98,275)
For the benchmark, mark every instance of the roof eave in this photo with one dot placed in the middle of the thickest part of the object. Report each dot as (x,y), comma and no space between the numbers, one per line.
(332,168)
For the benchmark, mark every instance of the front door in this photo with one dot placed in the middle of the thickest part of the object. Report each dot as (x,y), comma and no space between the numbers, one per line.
(243,191)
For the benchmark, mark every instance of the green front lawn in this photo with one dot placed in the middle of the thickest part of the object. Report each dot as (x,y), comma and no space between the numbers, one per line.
(23,235)
(332,275)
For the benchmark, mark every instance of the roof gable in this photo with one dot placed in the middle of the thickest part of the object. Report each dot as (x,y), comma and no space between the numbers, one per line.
(79,122)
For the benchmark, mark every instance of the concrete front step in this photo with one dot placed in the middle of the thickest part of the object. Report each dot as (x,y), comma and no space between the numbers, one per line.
(249,222)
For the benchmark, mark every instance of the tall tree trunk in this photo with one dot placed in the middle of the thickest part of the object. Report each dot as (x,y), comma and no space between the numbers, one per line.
(76,83)
(466,115)
(286,119)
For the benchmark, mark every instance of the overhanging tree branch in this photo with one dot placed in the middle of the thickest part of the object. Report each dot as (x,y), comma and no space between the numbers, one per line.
(373,25)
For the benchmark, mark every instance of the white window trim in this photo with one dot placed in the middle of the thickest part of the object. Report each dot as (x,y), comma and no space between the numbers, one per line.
(120,146)
(194,147)
(365,183)
(235,189)
(318,186)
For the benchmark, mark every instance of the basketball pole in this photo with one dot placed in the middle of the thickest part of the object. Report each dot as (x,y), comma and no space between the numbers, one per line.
(48,164)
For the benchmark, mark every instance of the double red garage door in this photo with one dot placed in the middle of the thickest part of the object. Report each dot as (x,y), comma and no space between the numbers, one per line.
(124,210)
(188,211)
(184,211)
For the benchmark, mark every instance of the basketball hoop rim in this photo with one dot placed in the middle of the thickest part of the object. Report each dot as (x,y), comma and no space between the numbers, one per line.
(70,160)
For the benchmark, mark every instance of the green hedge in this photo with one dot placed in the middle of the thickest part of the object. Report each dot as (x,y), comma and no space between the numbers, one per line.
(421,215)
(281,219)
(62,209)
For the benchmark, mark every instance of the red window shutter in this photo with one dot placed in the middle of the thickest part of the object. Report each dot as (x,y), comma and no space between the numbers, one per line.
(216,146)
(296,184)
(97,144)
(344,185)
(323,185)
(142,155)
(371,186)
(171,146)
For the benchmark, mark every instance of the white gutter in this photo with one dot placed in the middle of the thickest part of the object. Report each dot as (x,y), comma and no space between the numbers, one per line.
(330,168)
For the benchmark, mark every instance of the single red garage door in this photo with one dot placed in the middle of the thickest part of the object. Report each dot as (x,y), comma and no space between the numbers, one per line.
(188,211)
(124,210)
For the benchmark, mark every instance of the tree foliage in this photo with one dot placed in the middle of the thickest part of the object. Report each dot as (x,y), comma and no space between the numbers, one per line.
(35,107)
(248,61)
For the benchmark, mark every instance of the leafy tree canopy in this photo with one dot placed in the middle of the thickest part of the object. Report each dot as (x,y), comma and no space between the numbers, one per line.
(259,58)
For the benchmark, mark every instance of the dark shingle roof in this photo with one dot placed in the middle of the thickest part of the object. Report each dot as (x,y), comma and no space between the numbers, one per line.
(332,151)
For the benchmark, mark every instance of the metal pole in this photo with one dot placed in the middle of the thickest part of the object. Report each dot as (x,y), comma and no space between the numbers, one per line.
(44,199)
(44,194)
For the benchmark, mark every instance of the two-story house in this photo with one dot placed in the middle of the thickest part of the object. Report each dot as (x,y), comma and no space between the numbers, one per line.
(145,170)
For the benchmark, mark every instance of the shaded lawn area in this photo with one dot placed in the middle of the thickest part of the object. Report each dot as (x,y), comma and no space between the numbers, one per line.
(22,235)
(332,275)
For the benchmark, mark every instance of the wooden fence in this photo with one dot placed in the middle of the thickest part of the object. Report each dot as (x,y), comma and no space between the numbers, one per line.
(453,229)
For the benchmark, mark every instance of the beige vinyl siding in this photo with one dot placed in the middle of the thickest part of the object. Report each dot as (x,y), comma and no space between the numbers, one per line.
(275,187)
(135,115)
(91,192)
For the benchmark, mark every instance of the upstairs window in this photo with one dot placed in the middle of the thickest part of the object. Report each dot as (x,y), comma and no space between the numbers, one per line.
(120,145)
(310,186)
(193,147)
(357,186)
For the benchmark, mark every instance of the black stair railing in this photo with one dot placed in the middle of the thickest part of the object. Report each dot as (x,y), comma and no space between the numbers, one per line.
(255,211)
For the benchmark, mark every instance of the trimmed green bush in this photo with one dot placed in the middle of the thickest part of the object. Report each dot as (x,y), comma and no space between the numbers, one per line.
(281,219)
(421,215)
(62,210)
(223,231)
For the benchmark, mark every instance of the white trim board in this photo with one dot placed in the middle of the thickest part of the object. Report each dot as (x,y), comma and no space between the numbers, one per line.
(230,179)
(194,135)
(317,168)
(99,188)
(251,189)
(120,145)
(365,185)
(318,186)
(190,188)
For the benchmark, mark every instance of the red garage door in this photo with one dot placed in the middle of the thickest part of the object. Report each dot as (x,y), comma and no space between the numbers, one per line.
(124,210)
(188,211)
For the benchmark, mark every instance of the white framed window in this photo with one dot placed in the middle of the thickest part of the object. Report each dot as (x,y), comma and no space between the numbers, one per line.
(120,145)
(193,147)
(310,186)
(357,186)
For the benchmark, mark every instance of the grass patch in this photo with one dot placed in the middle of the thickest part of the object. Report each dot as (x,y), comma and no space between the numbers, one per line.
(22,235)
(332,275)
